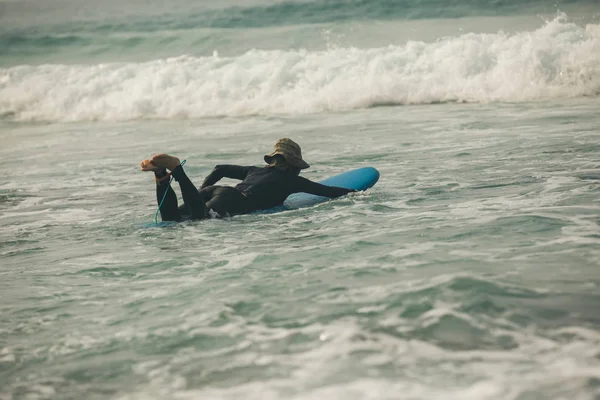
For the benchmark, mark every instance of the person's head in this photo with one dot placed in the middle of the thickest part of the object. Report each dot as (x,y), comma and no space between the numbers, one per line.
(277,161)
(287,156)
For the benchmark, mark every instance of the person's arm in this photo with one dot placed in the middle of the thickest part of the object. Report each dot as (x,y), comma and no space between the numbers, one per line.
(307,186)
(225,171)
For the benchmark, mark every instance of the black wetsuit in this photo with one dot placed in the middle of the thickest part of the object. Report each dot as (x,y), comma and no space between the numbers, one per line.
(261,188)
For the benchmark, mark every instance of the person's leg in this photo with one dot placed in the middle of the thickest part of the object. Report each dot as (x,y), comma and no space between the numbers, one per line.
(168,210)
(193,201)
(195,206)
(206,195)
(226,200)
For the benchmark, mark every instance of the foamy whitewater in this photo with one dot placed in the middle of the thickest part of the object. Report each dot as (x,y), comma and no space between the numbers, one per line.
(470,271)
(558,60)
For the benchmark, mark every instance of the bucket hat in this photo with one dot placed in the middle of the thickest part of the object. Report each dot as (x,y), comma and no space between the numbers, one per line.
(290,151)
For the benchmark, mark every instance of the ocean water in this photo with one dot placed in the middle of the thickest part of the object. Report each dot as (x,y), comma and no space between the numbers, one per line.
(470,271)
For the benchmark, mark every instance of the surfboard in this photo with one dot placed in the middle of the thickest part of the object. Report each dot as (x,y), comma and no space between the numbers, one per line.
(357,179)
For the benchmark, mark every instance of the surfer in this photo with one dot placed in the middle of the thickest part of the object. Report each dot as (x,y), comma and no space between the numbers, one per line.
(261,187)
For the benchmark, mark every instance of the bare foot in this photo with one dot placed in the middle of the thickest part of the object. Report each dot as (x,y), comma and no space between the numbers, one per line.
(148,165)
(166,161)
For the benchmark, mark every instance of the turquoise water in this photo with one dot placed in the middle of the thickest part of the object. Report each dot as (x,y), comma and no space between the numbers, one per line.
(470,271)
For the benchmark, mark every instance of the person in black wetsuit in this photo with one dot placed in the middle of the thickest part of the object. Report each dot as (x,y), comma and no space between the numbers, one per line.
(261,188)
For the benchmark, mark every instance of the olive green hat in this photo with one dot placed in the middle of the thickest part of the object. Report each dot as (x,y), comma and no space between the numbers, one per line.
(290,151)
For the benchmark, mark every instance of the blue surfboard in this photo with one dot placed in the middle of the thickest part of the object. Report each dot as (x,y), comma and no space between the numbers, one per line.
(357,179)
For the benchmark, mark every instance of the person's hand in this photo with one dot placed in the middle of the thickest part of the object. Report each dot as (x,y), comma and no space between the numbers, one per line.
(148,165)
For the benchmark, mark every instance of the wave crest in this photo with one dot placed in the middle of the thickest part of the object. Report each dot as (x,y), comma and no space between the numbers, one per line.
(559,60)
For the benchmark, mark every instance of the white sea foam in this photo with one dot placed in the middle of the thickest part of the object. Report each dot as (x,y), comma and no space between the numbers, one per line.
(559,60)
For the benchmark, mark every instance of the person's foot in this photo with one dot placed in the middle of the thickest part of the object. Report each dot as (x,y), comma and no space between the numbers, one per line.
(166,161)
(148,165)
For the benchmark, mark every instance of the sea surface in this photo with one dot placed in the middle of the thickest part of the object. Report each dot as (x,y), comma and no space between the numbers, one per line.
(471,271)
